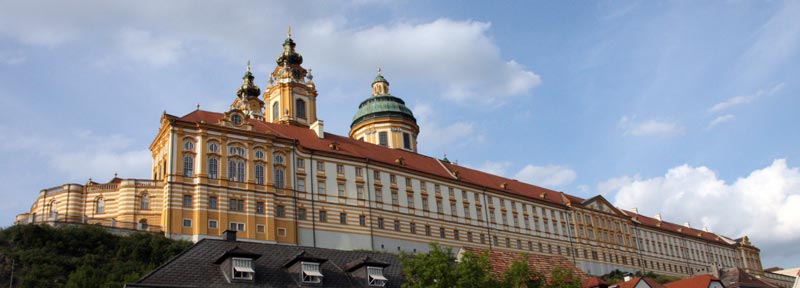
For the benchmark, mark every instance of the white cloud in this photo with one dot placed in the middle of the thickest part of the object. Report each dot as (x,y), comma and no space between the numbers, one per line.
(720,120)
(605,188)
(744,99)
(631,126)
(496,168)
(141,46)
(764,205)
(437,136)
(546,176)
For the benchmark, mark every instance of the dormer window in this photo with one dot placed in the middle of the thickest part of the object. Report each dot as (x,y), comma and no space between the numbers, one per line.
(236,119)
(311,272)
(375,277)
(242,269)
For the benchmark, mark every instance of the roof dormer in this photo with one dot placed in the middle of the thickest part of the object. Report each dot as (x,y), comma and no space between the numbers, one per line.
(368,270)
(307,268)
(238,265)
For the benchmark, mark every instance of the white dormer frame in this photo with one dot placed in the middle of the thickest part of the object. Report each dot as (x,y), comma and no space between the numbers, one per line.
(242,269)
(310,272)
(375,277)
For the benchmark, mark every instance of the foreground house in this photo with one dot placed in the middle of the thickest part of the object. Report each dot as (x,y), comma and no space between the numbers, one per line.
(232,263)
(699,281)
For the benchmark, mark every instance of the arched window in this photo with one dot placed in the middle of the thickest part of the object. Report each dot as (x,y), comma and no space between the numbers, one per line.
(188,165)
(213,168)
(236,170)
(259,174)
(213,147)
(259,154)
(278,159)
(145,202)
(275,111)
(52,207)
(188,145)
(279,177)
(100,206)
(300,108)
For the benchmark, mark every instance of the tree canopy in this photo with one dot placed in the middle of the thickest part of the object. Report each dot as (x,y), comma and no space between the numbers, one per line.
(80,256)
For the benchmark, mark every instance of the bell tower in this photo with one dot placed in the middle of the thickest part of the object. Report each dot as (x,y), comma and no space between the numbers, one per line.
(247,100)
(291,96)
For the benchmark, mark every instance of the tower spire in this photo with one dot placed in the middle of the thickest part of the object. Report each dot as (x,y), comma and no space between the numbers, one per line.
(380,86)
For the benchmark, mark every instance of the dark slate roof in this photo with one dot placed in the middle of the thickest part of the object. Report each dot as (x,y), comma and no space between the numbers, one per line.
(195,267)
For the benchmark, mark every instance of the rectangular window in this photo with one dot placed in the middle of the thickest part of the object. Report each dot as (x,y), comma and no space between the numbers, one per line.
(362,220)
(395,201)
(237,205)
(339,169)
(455,235)
(301,213)
(376,175)
(439,206)
(342,218)
(213,168)
(340,188)
(301,184)
(320,166)
(437,189)
(412,227)
(483,239)
(212,224)
(380,223)
(259,207)
(301,163)
(188,165)
(260,175)
(311,272)
(236,226)
(187,200)
(320,187)
(360,191)
(212,202)
(441,232)
(392,179)
(323,216)
(427,230)
(260,228)
(425,203)
(408,182)
(383,138)
(396,225)
(280,210)
(378,196)
(410,200)
(280,180)
(359,172)
(453,210)
(187,223)
(406,141)
(469,236)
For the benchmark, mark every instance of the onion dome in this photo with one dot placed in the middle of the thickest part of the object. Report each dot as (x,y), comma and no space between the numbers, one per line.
(289,56)
(248,88)
(382,104)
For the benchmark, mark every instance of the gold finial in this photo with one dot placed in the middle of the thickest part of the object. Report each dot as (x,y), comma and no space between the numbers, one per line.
(379,69)
(248,65)
(289,32)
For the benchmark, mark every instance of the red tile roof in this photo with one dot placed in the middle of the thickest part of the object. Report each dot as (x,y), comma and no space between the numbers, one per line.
(418,162)
(699,281)
(632,283)
(501,260)
(594,282)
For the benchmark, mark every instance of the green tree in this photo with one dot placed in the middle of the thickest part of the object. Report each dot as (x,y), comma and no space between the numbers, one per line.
(519,275)
(563,278)
(436,268)
(474,270)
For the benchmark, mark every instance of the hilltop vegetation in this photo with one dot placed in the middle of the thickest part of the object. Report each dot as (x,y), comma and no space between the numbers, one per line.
(80,256)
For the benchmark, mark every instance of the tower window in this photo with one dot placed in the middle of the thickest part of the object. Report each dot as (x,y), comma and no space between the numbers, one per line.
(275,111)
(406,141)
(300,107)
(383,138)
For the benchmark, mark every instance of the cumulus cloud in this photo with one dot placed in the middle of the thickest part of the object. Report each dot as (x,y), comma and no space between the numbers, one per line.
(497,168)
(720,120)
(546,176)
(764,205)
(438,135)
(631,126)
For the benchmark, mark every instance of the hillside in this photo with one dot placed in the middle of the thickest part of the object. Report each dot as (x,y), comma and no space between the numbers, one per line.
(79,256)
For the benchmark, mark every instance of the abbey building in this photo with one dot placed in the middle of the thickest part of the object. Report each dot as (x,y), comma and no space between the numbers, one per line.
(267,169)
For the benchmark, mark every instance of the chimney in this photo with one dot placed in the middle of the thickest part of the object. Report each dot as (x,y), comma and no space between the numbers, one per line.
(318,128)
(230,235)
(687,224)
(658,217)
(636,210)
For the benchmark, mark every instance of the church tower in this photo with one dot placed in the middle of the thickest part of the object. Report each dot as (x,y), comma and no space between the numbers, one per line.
(247,100)
(384,119)
(291,95)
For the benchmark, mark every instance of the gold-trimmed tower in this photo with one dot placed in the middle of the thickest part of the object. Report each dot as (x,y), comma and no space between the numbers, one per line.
(384,119)
(291,95)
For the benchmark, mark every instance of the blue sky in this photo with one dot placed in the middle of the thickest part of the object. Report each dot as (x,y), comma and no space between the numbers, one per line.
(680,108)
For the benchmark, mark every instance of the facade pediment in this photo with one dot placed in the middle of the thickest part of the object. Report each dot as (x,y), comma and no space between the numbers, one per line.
(599,203)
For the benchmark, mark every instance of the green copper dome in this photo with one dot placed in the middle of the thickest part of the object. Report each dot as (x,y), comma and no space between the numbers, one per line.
(382,106)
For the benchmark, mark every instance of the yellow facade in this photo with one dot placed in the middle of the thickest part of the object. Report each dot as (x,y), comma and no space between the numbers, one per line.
(238,170)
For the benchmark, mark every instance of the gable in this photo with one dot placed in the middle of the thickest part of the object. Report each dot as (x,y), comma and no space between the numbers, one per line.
(599,203)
